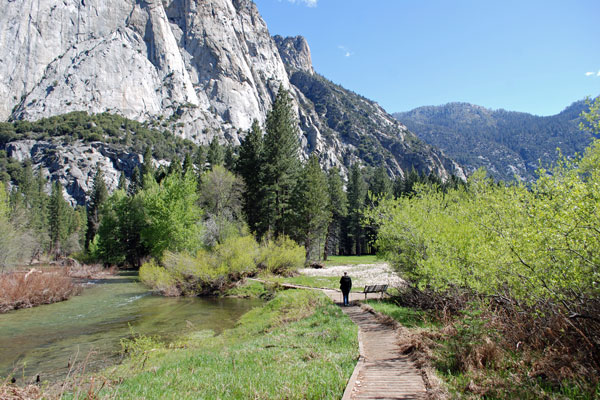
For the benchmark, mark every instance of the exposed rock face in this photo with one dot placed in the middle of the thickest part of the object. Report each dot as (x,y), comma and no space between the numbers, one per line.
(295,53)
(203,68)
(75,164)
(213,62)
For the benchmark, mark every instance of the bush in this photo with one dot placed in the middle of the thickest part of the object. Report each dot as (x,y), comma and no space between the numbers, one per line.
(158,278)
(205,272)
(282,256)
(238,256)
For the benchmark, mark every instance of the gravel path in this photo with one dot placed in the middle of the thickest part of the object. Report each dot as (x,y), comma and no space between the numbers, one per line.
(361,274)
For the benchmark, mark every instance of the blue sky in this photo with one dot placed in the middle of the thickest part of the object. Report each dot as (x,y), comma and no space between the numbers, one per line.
(528,55)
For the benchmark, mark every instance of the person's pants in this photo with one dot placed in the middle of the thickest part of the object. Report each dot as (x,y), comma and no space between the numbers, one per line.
(345,298)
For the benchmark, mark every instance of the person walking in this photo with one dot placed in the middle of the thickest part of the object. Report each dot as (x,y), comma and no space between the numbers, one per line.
(345,286)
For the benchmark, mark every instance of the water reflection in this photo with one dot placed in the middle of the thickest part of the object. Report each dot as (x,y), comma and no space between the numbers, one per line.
(44,339)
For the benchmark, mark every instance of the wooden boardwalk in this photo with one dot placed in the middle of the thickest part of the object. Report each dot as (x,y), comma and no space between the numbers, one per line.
(381,372)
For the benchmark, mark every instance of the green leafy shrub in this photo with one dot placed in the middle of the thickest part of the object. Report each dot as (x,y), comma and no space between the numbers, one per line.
(282,256)
(238,256)
(157,277)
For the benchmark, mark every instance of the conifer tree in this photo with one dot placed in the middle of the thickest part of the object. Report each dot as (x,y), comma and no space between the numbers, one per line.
(98,196)
(281,164)
(147,165)
(122,182)
(357,191)
(229,159)
(215,154)
(58,223)
(380,185)
(175,166)
(188,164)
(249,167)
(200,158)
(136,181)
(338,207)
(312,206)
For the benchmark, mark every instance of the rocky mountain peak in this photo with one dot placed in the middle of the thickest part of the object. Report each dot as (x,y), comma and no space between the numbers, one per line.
(199,69)
(295,53)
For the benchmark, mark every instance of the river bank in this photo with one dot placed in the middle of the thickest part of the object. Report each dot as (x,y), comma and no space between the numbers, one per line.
(297,346)
(31,286)
(56,339)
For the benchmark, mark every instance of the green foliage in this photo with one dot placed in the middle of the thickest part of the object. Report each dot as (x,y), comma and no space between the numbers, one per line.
(281,165)
(215,155)
(534,245)
(221,199)
(407,317)
(591,117)
(282,256)
(155,276)
(58,218)
(207,271)
(249,167)
(119,238)
(97,197)
(252,289)
(172,217)
(107,128)
(357,192)
(311,203)
(298,346)
(338,207)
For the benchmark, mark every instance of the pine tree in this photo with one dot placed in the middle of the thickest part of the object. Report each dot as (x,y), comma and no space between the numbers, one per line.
(200,158)
(188,164)
(136,181)
(312,206)
(357,191)
(215,154)
(230,158)
(249,167)
(98,196)
(381,185)
(147,167)
(281,164)
(338,207)
(175,166)
(58,223)
(122,182)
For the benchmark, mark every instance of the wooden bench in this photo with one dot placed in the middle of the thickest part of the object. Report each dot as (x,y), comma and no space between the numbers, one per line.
(375,289)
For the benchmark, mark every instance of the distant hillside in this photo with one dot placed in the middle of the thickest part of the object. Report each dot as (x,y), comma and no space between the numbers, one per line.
(507,143)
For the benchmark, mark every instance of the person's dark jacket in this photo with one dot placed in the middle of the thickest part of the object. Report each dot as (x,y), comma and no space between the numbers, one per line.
(345,284)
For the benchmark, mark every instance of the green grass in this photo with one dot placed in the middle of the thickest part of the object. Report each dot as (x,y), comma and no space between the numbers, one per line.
(351,260)
(298,346)
(321,282)
(250,289)
(408,317)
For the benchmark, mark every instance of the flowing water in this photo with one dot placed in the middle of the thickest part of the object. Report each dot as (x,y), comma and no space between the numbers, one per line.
(45,340)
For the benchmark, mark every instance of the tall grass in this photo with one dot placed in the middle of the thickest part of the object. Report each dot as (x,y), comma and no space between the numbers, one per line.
(298,346)
(28,289)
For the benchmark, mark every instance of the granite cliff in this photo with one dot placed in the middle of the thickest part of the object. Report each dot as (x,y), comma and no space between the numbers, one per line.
(198,68)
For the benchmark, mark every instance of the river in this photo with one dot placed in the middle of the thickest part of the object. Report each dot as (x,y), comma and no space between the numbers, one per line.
(45,340)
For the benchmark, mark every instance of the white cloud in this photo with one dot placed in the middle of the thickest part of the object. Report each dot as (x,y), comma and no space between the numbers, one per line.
(346,51)
(598,74)
(589,73)
(308,3)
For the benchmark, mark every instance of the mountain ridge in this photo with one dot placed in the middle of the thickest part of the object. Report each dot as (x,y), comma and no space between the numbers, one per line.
(200,69)
(509,144)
